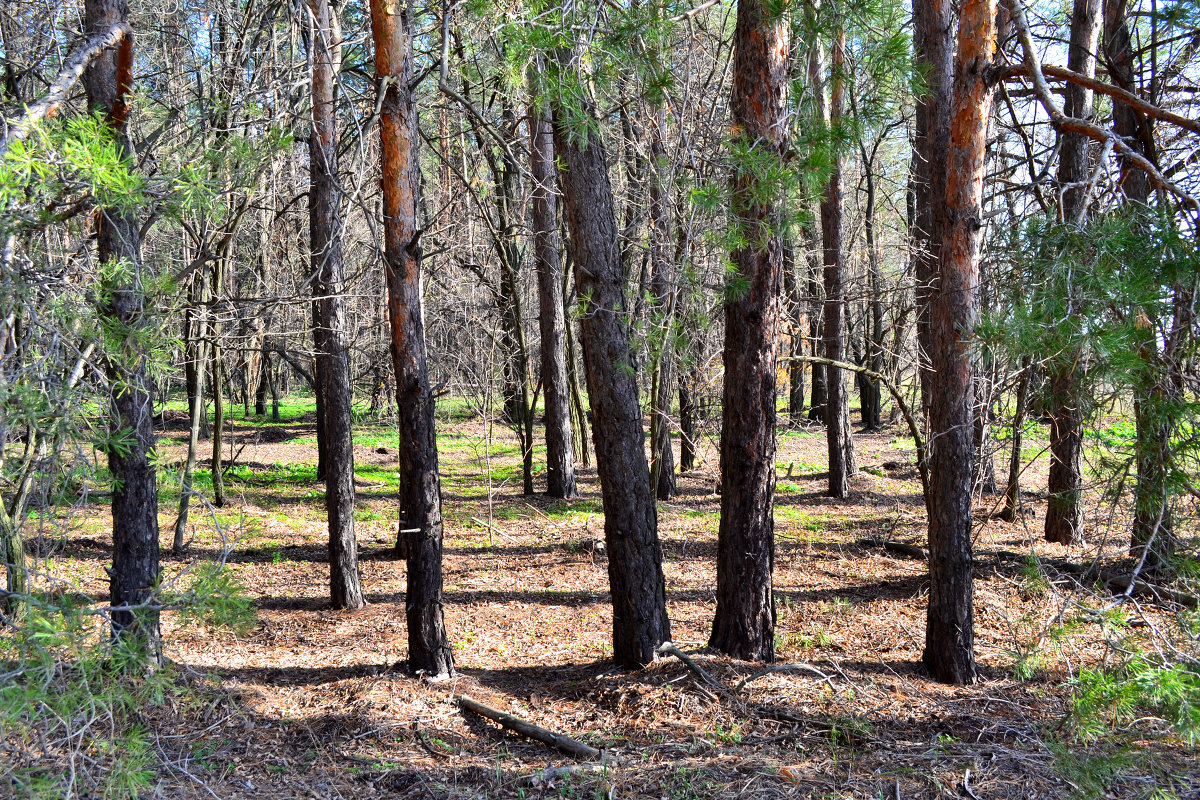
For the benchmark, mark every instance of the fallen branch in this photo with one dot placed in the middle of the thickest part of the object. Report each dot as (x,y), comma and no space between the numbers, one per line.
(783,668)
(68,77)
(527,729)
(669,648)
(892,546)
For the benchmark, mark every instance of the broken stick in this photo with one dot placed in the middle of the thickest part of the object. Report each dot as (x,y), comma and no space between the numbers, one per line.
(527,729)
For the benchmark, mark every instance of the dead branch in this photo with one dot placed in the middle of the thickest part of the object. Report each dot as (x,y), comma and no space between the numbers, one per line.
(1064,124)
(783,668)
(527,729)
(669,648)
(68,77)
(1100,87)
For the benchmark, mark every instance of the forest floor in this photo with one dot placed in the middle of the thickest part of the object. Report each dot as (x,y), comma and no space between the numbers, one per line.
(316,703)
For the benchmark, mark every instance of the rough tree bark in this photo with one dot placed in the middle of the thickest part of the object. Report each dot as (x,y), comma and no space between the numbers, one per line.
(662,457)
(950,623)
(329,285)
(420,536)
(560,454)
(135,569)
(933,44)
(837,398)
(635,573)
(1064,514)
(744,625)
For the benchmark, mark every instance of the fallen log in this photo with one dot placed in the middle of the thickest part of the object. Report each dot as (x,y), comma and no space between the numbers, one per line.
(527,729)
(899,548)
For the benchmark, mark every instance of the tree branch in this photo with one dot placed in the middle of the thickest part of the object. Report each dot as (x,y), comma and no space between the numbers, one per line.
(68,77)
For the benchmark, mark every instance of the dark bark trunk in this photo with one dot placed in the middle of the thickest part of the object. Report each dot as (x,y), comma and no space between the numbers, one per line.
(196,346)
(933,44)
(687,420)
(217,369)
(1064,521)
(744,625)
(870,392)
(560,456)
(816,333)
(795,306)
(635,573)
(135,568)
(662,457)
(837,400)
(950,623)
(333,348)
(420,536)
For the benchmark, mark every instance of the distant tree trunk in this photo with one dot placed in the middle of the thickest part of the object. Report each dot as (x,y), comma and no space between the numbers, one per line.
(795,307)
(950,624)
(329,286)
(420,536)
(217,462)
(662,457)
(837,401)
(135,569)
(264,381)
(744,625)
(1153,526)
(1012,490)
(933,45)
(816,325)
(196,347)
(1064,520)
(635,573)
(560,456)
(871,393)
(687,420)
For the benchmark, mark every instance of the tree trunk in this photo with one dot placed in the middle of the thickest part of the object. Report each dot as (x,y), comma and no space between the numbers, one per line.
(744,625)
(837,401)
(871,392)
(135,569)
(816,329)
(687,420)
(1012,490)
(933,44)
(217,462)
(329,286)
(795,306)
(662,457)
(635,573)
(196,345)
(560,456)
(420,535)
(950,624)
(1064,522)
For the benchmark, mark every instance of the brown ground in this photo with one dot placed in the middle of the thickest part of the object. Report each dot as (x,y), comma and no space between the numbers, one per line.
(312,703)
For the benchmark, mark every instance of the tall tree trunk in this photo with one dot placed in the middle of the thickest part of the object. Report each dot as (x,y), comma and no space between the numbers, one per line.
(1064,521)
(135,569)
(816,325)
(1152,523)
(662,457)
(837,400)
(950,624)
(560,455)
(329,286)
(420,536)
(871,392)
(933,45)
(744,625)
(196,346)
(635,575)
